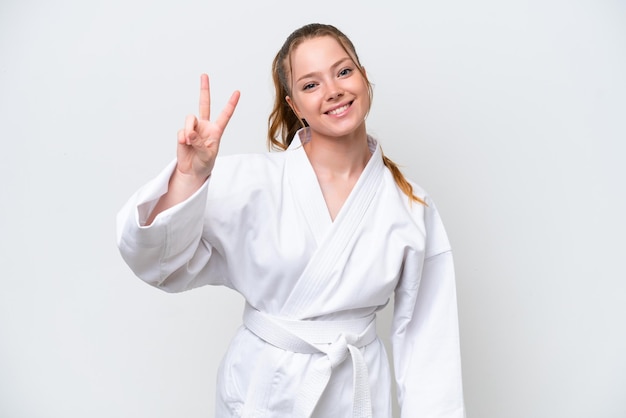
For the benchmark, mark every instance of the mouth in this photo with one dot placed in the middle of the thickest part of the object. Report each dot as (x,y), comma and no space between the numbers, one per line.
(339,110)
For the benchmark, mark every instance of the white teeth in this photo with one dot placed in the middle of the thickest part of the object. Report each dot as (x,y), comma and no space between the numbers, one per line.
(338,110)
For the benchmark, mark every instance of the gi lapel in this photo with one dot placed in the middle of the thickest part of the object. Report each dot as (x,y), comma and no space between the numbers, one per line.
(306,190)
(332,237)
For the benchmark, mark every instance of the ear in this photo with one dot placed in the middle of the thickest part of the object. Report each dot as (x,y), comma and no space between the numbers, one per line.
(293,106)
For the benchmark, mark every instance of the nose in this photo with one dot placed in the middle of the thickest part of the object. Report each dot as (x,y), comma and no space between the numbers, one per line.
(334,91)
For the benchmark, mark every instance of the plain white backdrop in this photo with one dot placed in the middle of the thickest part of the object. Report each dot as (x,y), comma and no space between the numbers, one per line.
(511,114)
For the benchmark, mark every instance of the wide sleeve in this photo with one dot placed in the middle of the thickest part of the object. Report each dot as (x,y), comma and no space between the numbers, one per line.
(170,253)
(425,331)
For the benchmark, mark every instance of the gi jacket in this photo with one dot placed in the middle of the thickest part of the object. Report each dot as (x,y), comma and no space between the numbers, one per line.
(260,226)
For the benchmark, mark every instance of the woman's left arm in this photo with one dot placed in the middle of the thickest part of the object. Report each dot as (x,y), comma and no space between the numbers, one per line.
(425,334)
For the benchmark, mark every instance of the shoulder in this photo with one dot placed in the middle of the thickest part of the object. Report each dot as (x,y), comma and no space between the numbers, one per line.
(243,165)
(242,174)
(261,160)
(436,236)
(425,216)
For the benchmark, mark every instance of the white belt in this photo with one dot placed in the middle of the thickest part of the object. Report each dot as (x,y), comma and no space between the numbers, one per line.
(336,339)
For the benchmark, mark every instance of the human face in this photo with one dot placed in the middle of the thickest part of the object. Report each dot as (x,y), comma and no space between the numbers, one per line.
(327,89)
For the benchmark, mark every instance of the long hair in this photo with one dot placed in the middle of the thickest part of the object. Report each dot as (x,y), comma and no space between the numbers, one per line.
(283,123)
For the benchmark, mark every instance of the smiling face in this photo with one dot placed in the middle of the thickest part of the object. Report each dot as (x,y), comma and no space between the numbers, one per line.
(327,89)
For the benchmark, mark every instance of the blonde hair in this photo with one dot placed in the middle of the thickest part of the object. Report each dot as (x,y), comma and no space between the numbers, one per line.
(283,123)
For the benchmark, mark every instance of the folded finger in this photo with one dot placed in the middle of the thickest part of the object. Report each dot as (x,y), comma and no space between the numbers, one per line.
(191,122)
(180,136)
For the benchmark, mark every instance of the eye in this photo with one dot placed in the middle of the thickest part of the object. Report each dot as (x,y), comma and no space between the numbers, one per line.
(345,72)
(308,86)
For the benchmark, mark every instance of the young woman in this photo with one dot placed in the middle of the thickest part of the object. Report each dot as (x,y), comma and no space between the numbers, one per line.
(317,238)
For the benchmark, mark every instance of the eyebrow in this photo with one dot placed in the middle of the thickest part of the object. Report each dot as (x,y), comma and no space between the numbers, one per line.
(335,65)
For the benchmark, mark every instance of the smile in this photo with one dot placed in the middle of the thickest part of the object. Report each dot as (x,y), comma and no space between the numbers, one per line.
(339,110)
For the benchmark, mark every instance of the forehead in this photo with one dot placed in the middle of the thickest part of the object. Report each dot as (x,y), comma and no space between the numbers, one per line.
(316,54)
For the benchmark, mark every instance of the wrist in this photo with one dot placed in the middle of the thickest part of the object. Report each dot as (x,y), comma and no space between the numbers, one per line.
(186,183)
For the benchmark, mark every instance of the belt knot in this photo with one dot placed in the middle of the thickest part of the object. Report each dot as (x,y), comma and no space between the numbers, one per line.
(336,339)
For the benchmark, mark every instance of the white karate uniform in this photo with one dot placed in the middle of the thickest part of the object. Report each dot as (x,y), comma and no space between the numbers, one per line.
(260,226)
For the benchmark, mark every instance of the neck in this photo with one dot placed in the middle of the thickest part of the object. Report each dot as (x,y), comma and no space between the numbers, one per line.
(344,156)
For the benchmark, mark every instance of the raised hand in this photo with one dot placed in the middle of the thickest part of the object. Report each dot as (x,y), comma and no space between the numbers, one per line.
(199,140)
(198,144)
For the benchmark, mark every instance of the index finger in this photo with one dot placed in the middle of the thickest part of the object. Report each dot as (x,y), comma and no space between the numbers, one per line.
(205,98)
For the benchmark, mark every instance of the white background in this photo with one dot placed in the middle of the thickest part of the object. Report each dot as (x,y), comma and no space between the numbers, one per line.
(511,114)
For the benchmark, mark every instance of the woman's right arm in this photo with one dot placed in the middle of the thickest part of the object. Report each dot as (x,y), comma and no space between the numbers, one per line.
(159,230)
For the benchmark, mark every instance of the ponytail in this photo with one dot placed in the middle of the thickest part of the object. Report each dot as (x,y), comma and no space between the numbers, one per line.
(401,181)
